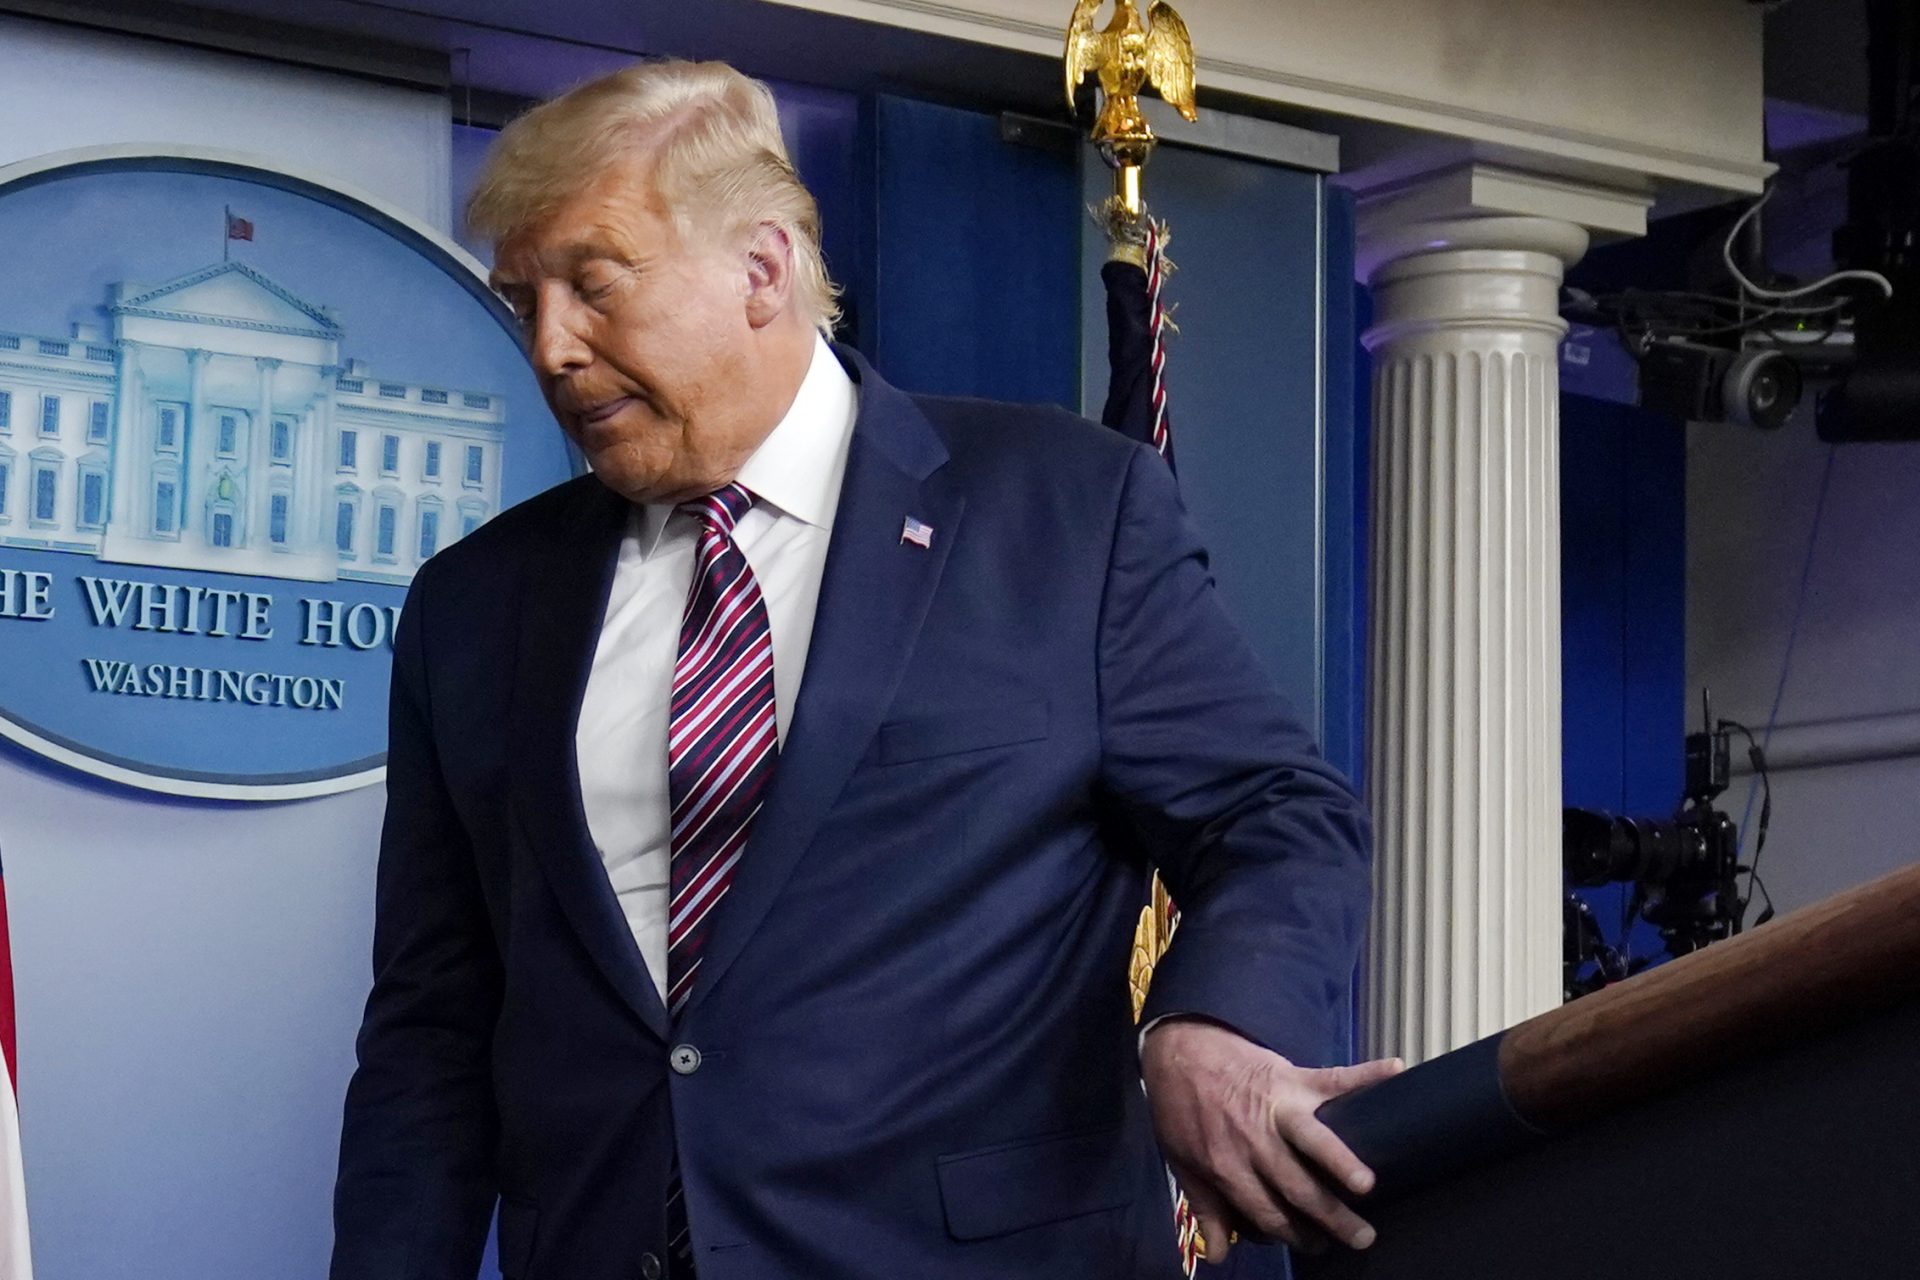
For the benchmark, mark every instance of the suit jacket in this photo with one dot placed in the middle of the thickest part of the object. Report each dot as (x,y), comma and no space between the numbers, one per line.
(909,1052)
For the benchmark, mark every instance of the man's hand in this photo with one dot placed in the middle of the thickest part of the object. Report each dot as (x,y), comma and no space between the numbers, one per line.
(1236,1123)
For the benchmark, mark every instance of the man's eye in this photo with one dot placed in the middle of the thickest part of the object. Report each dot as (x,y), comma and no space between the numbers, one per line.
(517,302)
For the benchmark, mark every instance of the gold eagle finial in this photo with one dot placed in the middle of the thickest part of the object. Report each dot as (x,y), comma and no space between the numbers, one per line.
(1127,54)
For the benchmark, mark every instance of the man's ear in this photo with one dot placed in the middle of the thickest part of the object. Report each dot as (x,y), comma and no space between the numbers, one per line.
(769,263)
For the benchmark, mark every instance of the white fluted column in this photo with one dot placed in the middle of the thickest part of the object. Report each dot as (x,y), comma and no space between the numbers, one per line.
(325,452)
(128,451)
(304,464)
(197,447)
(1464,669)
(260,457)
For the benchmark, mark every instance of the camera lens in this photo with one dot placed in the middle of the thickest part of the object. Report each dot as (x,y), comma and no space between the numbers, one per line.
(1761,388)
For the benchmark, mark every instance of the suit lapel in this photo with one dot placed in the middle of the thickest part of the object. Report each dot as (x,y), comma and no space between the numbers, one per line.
(565,602)
(873,598)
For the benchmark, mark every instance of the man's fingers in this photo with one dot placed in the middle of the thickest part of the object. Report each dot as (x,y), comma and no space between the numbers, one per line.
(1319,1143)
(1245,1198)
(1311,1203)
(1253,1203)
(1334,1081)
(1256,1157)
(1210,1212)
(1323,1147)
(1297,1233)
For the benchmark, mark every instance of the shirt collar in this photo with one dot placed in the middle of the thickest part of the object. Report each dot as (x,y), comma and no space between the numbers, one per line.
(800,465)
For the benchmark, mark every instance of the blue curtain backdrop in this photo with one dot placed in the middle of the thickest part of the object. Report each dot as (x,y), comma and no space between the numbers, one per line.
(981,277)
(971,266)
(1623,621)
(1623,566)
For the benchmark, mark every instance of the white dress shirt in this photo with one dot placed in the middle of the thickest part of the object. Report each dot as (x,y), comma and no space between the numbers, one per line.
(621,737)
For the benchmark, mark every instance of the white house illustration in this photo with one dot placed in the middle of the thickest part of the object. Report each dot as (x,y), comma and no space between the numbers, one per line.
(218,428)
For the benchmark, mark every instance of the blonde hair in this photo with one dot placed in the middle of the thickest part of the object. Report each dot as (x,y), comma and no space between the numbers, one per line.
(719,162)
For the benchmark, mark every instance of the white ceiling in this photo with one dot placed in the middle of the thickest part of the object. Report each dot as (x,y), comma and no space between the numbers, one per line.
(533,48)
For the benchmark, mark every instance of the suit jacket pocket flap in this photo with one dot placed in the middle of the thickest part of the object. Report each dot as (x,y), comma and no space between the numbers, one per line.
(942,733)
(1024,1184)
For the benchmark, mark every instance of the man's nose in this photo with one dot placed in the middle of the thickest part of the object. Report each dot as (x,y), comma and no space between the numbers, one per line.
(557,347)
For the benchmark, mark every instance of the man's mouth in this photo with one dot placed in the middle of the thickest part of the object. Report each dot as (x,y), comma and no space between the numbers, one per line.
(598,413)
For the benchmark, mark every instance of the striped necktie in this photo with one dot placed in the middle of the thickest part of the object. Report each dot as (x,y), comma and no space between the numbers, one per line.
(722,744)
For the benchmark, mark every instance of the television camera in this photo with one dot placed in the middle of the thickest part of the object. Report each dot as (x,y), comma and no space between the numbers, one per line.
(1683,870)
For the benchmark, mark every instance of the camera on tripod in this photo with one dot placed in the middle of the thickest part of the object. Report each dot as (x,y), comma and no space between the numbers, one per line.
(1683,869)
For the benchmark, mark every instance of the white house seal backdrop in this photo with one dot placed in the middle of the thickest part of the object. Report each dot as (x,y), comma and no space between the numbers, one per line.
(238,409)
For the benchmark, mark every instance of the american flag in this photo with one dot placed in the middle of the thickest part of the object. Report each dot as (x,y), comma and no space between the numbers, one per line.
(16,1260)
(1137,325)
(918,532)
(238,228)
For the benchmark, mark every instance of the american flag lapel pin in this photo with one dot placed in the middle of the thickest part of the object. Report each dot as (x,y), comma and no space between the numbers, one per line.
(918,532)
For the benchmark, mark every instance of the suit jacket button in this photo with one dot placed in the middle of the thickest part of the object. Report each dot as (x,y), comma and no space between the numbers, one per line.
(649,1267)
(685,1059)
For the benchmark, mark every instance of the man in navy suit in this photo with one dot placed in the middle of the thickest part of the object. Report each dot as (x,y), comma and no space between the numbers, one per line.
(695,966)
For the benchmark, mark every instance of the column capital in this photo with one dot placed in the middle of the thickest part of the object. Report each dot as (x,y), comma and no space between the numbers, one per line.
(197,356)
(1543,213)
(1390,246)
(268,363)
(1491,274)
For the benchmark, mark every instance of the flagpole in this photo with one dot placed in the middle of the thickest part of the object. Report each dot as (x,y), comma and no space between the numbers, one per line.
(1128,54)
(226,231)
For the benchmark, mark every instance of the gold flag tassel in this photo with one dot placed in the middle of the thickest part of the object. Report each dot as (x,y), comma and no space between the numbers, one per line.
(1151,937)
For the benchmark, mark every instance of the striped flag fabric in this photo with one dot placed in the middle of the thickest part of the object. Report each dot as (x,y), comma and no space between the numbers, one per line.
(1137,325)
(16,1259)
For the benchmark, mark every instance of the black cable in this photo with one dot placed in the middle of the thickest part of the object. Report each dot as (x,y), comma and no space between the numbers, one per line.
(1634,899)
(1706,305)
(1759,321)
(1758,757)
(1626,925)
(1760,884)
(1692,315)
